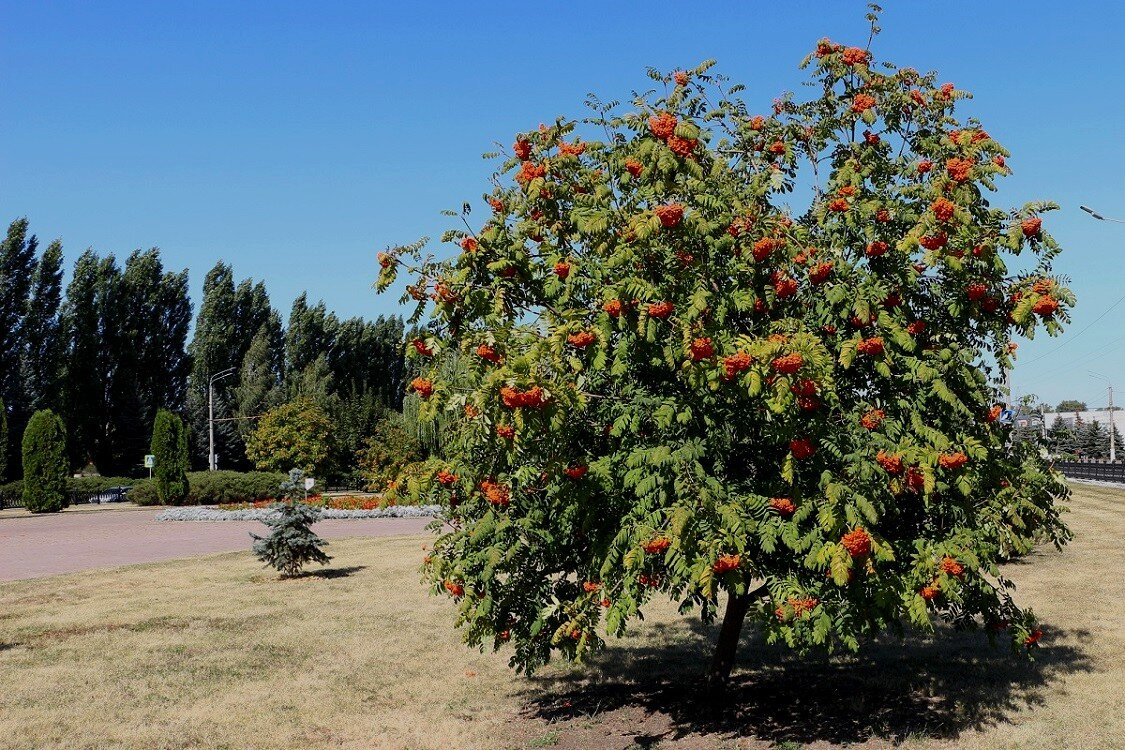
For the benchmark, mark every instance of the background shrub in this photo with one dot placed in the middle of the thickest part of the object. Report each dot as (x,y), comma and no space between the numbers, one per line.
(388,452)
(143,492)
(169,446)
(299,435)
(11,494)
(45,463)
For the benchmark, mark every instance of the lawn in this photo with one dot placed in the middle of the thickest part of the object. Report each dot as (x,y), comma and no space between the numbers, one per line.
(215,652)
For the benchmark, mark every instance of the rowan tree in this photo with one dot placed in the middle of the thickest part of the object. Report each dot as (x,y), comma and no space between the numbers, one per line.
(685,381)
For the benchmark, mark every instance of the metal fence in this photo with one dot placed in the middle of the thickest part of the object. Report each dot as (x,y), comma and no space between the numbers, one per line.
(1102,471)
(100,497)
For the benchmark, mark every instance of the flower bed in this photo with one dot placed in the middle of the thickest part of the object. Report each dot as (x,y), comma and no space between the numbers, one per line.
(251,513)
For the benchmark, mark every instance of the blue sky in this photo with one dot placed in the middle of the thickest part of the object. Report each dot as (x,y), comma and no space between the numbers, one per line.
(294,140)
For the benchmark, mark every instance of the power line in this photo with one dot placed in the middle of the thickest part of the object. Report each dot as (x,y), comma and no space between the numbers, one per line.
(1072,338)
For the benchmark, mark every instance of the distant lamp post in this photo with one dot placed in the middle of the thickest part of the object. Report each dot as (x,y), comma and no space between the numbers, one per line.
(212,464)
(1112,425)
(1099,217)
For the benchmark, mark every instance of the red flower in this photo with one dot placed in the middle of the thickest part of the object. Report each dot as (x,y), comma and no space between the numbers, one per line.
(660,309)
(529,171)
(875,249)
(471,412)
(591,586)
(662,125)
(883,215)
(469,244)
(738,226)
(915,478)
(446,477)
(953,460)
(485,351)
(777,147)
(838,205)
(783,506)
(582,339)
(825,47)
(872,419)
(423,387)
(862,102)
(1046,306)
(952,567)
(998,160)
(917,98)
(801,448)
(857,542)
(784,286)
(801,606)
(805,387)
(497,205)
(681,146)
(385,260)
(701,349)
(420,347)
(506,431)
(930,592)
(670,215)
(891,463)
(454,589)
(763,248)
(522,149)
(532,398)
(870,138)
(976,291)
(872,346)
(854,56)
(757,122)
(1031,227)
(925,166)
(819,273)
(657,545)
(735,364)
(726,563)
(916,327)
(495,493)
(1035,637)
(562,269)
(934,241)
(680,77)
(571,149)
(612,308)
(943,209)
(788,364)
(576,472)
(959,169)
(634,167)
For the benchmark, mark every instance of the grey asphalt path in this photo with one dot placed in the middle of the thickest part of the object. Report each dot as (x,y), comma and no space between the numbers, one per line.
(32,546)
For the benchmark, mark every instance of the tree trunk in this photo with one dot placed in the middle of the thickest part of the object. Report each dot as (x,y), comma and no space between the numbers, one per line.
(727,646)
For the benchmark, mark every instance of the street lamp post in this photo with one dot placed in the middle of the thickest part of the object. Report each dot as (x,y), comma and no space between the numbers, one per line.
(211,463)
(1112,426)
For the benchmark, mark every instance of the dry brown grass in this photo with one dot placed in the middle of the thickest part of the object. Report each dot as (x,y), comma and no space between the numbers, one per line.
(216,653)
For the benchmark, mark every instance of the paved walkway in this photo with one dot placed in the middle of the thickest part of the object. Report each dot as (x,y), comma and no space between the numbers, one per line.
(32,546)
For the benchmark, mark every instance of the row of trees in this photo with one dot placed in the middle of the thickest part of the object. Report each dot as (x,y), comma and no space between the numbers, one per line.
(111,349)
(1080,438)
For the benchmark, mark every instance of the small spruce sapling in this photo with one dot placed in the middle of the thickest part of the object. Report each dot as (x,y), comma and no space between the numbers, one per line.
(291,543)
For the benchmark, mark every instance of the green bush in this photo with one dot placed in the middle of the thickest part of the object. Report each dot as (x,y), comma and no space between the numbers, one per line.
(389,451)
(11,494)
(45,463)
(296,435)
(143,492)
(216,488)
(169,448)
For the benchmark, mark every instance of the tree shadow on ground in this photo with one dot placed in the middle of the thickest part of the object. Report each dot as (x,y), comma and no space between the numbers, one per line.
(936,686)
(333,572)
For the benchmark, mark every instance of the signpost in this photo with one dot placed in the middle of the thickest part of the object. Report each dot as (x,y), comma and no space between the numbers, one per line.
(150,461)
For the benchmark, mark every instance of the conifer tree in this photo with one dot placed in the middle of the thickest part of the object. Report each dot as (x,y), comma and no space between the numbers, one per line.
(44,463)
(169,447)
(3,443)
(291,544)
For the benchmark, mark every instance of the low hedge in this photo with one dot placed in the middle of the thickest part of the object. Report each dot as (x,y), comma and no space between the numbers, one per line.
(206,488)
(216,488)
